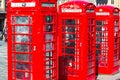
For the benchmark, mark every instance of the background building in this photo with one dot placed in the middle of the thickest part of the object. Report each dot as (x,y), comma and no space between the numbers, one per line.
(2,16)
(115,3)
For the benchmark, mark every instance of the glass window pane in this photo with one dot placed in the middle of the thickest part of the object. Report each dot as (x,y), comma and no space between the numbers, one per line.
(69,61)
(70,37)
(70,50)
(22,29)
(20,75)
(70,29)
(49,37)
(22,66)
(22,57)
(22,20)
(49,46)
(70,44)
(22,47)
(70,22)
(22,38)
(49,28)
(48,19)
(23,76)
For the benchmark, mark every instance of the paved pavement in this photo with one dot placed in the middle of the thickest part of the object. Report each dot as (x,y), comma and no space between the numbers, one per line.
(3,65)
(3,60)
(109,77)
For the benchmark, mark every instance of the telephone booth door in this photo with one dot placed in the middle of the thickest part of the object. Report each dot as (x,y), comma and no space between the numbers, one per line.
(21,22)
(107,39)
(50,48)
(20,47)
(48,21)
(70,48)
(76,41)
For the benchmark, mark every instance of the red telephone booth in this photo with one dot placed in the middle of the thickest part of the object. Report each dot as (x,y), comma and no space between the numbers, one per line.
(76,41)
(107,39)
(32,53)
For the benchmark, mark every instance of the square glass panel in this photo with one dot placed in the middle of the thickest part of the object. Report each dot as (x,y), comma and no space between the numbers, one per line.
(20,75)
(22,47)
(22,66)
(70,22)
(70,44)
(70,36)
(22,38)
(49,28)
(22,29)
(70,29)
(49,46)
(49,54)
(70,50)
(22,57)
(22,20)
(69,61)
(49,37)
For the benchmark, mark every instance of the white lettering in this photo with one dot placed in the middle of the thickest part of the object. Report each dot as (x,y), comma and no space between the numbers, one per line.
(102,13)
(23,4)
(71,10)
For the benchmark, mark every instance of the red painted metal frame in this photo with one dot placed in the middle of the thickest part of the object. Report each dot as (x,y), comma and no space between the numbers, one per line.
(38,62)
(107,17)
(76,26)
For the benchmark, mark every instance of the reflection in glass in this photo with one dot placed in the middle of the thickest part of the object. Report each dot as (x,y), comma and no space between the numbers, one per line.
(22,47)
(100,23)
(70,29)
(98,51)
(20,75)
(98,28)
(70,50)
(22,66)
(70,44)
(22,29)
(23,57)
(49,74)
(116,29)
(116,23)
(49,37)
(49,28)
(49,63)
(69,61)
(98,39)
(70,22)
(98,46)
(22,20)
(22,38)
(49,54)
(70,37)
(49,46)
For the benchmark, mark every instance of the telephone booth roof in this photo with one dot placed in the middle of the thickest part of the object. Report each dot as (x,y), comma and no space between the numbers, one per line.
(76,5)
(110,9)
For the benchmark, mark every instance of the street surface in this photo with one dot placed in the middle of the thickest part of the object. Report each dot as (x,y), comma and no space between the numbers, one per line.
(3,65)
(3,60)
